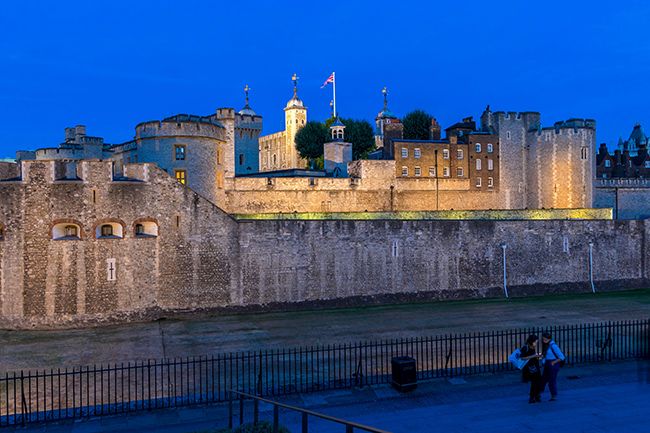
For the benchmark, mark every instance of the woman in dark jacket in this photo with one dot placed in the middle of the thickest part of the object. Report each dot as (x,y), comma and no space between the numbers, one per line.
(532,372)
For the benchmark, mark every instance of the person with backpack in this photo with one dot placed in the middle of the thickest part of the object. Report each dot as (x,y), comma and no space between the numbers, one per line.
(553,359)
(531,370)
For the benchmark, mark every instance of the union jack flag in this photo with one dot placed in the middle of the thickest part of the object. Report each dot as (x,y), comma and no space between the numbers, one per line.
(330,79)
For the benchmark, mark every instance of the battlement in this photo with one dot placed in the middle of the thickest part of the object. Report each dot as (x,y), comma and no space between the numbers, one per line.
(248,118)
(570,125)
(516,115)
(248,121)
(526,119)
(225,113)
(181,125)
(575,123)
(85,171)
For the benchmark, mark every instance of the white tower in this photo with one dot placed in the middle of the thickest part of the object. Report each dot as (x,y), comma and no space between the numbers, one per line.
(295,116)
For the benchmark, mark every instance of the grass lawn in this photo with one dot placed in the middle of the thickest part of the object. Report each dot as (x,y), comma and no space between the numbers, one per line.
(223,333)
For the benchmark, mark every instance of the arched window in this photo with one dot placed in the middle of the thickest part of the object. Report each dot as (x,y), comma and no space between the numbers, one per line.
(2,232)
(145,228)
(66,231)
(111,229)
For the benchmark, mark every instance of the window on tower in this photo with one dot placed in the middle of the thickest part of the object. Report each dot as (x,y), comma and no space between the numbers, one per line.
(181,176)
(179,152)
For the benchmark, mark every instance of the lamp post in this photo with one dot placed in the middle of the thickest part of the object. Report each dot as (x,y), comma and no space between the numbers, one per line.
(505,275)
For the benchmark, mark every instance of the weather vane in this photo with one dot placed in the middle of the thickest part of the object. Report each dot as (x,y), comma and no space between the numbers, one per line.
(246,89)
(295,79)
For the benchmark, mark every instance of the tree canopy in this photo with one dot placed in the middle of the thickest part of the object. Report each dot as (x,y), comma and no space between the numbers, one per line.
(416,125)
(360,134)
(310,139)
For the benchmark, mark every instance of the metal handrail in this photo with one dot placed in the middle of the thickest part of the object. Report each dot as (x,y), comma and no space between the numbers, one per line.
(349,425)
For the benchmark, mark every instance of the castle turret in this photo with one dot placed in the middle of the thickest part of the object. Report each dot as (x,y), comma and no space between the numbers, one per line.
(384,117)
(337,153)
(248,128)
(295,117)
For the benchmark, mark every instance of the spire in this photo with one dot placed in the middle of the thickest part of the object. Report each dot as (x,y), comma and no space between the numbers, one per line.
(385,112)
(295,79)
(247,108)
(295,101)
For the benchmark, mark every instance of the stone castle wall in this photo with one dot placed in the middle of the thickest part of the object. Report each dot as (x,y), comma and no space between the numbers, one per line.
(204,259)
(628,197)
(372,194)
(9,170)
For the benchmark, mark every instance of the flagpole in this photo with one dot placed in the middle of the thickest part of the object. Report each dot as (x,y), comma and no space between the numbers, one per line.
(334,90)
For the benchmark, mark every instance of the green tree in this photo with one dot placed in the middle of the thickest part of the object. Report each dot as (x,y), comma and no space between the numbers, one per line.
(360,134)
(310,139)
(416,125)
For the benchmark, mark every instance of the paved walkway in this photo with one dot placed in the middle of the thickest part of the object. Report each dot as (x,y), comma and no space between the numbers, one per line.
(599,398)
(24,350)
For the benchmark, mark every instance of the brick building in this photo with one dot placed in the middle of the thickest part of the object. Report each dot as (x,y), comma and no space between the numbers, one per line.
(629,160)
(623,177)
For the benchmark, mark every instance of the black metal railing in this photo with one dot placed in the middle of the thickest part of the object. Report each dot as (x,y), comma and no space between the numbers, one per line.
(305,414)
(45,395)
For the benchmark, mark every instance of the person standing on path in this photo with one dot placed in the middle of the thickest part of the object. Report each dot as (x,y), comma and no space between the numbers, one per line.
(531,372)
(552,360)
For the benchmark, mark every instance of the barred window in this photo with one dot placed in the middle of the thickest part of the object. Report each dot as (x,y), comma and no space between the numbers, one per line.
(179,152)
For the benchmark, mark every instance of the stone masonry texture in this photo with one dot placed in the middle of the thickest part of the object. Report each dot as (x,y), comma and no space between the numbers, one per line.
(202,259)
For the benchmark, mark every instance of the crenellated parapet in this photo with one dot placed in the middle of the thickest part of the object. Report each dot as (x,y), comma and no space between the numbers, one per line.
(181,125)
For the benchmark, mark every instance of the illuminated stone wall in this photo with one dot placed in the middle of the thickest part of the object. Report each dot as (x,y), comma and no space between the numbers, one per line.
(204,259)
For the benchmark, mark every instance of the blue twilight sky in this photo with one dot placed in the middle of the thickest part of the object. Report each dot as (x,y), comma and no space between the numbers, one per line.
(112,64)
